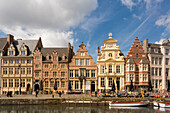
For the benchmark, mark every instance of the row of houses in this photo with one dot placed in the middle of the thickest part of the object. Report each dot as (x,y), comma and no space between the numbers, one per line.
(26,65)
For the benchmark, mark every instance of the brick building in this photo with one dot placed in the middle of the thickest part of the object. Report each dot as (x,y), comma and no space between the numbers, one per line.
(50,65)
(83,71)
(137,67)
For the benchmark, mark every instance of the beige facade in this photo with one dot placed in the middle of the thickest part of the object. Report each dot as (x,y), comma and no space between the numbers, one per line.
(83,71)
(110,62)
(17,66)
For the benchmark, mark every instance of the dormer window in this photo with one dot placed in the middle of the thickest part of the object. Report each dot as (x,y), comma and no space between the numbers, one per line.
(156,50)
(82,54)
(11,50)
(63,57)
(23,50)
(47,57)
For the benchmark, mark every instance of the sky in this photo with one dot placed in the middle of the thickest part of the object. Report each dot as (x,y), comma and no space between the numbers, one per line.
(58,22)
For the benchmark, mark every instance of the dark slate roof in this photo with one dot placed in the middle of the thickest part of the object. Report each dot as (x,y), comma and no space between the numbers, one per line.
(30,44)
(50,51)
(130,61)
(3,41)
(143,61)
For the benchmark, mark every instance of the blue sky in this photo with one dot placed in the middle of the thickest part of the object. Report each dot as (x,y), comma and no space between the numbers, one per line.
(59,22)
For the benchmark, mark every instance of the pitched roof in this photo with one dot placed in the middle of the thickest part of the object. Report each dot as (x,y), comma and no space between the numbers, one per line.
(143,61)
(3,41)
(31,45)
(60,52)
(130,61)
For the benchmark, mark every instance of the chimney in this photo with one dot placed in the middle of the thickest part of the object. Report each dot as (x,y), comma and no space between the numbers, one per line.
(98,49)
(10,38)
(145,45)
(141,43)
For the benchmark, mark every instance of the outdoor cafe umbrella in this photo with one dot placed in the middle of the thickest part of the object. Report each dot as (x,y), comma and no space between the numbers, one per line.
(131,86)
(41,85)
(113,86)
(150,86)
(55,85)
(168,89)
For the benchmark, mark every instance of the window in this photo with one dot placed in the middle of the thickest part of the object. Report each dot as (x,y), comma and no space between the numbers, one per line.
(46,66)
(71,82)
(117,69)
(87,62)
(55,74)
(62,66)
(160,61)
(36,57)
(131,77)
(140,77)
(4,71)
(17,61)
(36,66)
(110,68)
(51,83)
(76,84)
(102,69)
(55,66)
(46,83)
(87,73)
(22,61)
(16,70)
(28,61)
(81,72)
(156,60)
(22,82)
(167,71)
(82,54)
(28,70)
(160,71)
(76,73)
(46,74)
(63,84)
(63,57)
(92,73)
(47,57)
(5,61)
(156,71)
(127,67)
(23,71)
(110,81)
(136,55)
(144,67)
(156,84)
(156,50)
(10,52)
(62,74)
(127,77)
(131,67)
(152,60)
(145,77)
(16,82)
(10,61)
(22,52)
(54,58)
(110,54)
(71,73)
(82,62)
(166,51)
(76,62)
(10,70)
(167,61)
(152,71)
(102,81)
(36,74)
(4,82)
(28,80)
(58,83)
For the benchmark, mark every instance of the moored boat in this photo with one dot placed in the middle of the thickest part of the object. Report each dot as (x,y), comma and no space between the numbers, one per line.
(164,105)
(156,103)
(128,104)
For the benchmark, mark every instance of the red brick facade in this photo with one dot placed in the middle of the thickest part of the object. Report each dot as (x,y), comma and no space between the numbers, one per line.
(137,67)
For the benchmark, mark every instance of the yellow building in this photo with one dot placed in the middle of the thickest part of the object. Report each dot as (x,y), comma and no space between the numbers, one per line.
(110,62)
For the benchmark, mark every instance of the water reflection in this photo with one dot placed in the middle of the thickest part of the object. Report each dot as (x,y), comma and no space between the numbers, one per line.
(73,109)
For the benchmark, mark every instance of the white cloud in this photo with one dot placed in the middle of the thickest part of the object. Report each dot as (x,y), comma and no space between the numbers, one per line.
(164,21)
(159,42)
(128,3)
(138,17)
(44,18)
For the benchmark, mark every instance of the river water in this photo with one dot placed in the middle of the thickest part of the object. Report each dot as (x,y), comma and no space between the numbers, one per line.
(77,109)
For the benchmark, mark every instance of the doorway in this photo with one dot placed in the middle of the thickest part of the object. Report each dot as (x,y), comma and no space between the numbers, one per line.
(92,86)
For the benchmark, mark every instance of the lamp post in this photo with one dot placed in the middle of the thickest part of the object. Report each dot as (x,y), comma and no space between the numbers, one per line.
(19,67)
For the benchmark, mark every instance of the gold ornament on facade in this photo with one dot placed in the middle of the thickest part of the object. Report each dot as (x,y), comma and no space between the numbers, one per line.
(58,69)
(110,34)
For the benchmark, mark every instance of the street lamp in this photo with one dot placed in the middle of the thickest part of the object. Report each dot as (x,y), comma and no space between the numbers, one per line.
(19,67)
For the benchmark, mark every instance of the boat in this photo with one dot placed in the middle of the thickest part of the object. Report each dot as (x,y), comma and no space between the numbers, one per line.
(164,104)
(156,103)
(128,104)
